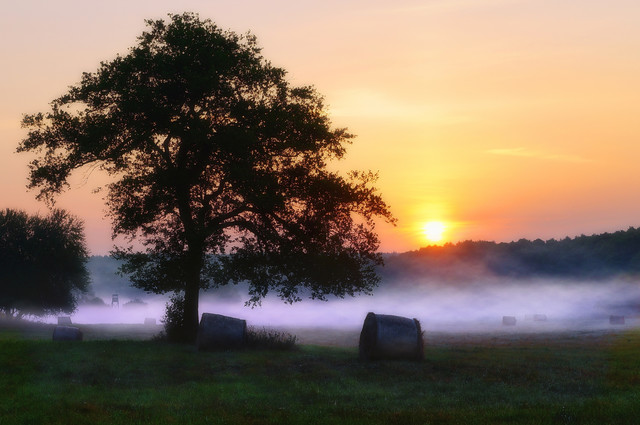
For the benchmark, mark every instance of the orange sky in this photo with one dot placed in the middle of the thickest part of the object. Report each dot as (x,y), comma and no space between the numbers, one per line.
(502,118)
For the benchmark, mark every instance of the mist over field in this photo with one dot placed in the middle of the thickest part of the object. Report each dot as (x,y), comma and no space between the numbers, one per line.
(451,298)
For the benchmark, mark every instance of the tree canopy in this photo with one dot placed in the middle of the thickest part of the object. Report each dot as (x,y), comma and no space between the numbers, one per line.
(42,263)
(219,166)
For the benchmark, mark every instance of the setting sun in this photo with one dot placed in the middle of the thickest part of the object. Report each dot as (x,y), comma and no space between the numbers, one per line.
(434,231)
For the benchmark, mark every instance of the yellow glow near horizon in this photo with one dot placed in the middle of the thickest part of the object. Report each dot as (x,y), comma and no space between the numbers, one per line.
(434,231)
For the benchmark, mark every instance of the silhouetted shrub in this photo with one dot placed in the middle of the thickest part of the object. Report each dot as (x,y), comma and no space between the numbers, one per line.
(173,319)
(270,339)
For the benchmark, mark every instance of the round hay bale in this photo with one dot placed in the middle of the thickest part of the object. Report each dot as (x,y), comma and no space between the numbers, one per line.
(67,333)
(64,320)
(218,332)
(149,321)
(391,337)
(539,317)
(616,320)
(508,320)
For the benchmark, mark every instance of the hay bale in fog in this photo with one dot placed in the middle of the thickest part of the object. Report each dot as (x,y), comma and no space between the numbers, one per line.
(149,321)
(539,317)
(616,320)
(509,320)
(67,333)
(64,320)
(391,337)
(217,332)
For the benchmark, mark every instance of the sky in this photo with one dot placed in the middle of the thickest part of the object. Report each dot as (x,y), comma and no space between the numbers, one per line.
(501,119)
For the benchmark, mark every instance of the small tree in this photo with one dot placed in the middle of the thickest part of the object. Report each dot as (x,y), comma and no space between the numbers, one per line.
(42,263)
(220,169)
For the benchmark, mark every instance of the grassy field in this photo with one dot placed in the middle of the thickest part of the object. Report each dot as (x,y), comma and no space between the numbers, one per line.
(119,376)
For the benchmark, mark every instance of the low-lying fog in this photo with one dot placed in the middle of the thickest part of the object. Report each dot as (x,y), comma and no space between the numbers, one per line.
(439,307)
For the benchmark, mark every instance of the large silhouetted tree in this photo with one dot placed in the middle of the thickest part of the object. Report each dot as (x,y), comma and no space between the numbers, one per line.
(42,263)
(219,167)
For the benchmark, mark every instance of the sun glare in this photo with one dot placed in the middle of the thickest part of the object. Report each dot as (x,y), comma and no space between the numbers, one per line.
(434,231)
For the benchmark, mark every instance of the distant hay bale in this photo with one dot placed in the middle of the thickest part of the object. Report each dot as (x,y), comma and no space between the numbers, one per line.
(391,337)
(509,320)
(149,321)
(616,320)
(218,332)
(539,317)
(67,333)
(64,320)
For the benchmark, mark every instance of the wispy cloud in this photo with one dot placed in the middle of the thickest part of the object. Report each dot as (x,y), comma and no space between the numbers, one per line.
(528,153)
(373,104)
(446,5)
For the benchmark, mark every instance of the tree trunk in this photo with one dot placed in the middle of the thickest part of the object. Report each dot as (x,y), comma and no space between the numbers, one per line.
(194,260)
(192,294)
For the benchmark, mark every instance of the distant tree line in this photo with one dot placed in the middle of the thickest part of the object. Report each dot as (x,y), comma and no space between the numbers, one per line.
(585,257)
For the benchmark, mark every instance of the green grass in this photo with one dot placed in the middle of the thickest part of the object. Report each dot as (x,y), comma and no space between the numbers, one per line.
(540,379)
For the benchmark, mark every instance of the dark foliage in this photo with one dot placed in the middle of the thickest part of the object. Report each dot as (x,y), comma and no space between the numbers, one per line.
(42,263)
(219,166)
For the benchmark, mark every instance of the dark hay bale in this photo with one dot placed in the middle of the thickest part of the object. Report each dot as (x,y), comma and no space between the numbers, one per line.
(149,321)
(218,332)
(64,320)
(616,320)
(508,320)
(539,317)
(67,333)
(391,337)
